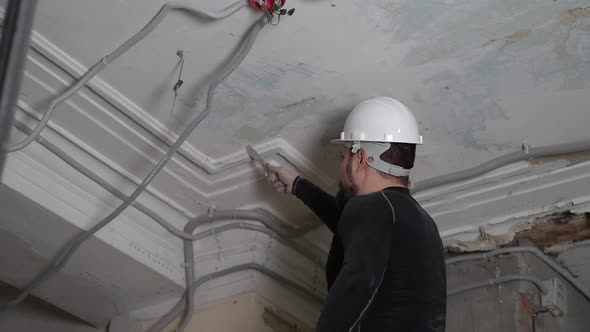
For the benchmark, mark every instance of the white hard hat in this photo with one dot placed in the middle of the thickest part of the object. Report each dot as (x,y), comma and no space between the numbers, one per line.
(381,119)
(374,124)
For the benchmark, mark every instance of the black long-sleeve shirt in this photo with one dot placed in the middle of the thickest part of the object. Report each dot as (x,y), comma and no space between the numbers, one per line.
(386,269)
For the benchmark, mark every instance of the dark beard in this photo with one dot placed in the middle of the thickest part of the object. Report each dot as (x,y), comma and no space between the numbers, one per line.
(345,194)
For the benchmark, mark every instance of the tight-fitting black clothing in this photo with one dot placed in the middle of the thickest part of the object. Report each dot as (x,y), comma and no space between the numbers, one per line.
(386,269)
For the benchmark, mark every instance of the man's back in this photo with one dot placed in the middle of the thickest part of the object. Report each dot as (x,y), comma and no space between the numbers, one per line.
(412,296)
(386,269)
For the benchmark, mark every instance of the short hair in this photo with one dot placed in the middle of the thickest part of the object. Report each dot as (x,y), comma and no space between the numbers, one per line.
(402,155)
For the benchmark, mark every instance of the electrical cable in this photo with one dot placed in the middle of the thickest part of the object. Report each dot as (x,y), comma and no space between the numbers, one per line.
(177,86)
(64,257)
(108,59)
(15,36)
(498,281)
(190,290)
(271,225)
(532,250)
(490,165)
(534,318)
(69,250)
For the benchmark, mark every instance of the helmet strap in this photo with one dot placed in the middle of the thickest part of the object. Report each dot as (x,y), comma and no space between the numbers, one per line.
(375,150)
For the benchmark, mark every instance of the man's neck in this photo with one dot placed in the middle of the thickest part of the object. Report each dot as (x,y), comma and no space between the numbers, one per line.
(378,184)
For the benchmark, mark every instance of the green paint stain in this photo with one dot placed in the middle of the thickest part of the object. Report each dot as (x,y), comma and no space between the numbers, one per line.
(266,83)
(250,134)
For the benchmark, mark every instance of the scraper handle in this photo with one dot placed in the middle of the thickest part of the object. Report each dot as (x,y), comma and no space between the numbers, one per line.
(272,176)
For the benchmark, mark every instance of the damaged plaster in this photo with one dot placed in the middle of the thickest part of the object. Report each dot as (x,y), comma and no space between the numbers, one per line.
(572,159)
(509,40)
(303,78)
(558,228)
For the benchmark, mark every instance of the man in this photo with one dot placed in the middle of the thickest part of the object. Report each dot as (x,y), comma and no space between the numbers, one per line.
(385,270)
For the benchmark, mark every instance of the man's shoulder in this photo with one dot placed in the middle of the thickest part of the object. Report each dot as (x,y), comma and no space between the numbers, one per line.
(366,214)
(374,205)
(365,201)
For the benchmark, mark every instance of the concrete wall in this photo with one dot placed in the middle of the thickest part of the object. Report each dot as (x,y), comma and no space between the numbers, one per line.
(99,283)
(244,313)
(509,308)
(35,315)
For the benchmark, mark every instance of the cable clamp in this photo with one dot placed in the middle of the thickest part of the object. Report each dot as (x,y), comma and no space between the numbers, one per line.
(104,60)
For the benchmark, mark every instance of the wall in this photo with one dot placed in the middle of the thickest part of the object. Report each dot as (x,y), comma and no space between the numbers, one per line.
(508,308)
(35,315)
(244,313)
(99,282)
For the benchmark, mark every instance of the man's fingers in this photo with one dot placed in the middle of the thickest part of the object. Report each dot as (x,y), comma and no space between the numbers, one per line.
(280,187)
(271,168)
(278,183)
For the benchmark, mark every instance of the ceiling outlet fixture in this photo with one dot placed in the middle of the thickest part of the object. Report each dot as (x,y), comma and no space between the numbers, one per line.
(268,5)
(273,9)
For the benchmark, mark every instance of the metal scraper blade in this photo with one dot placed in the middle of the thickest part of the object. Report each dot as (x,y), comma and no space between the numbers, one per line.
(258,158)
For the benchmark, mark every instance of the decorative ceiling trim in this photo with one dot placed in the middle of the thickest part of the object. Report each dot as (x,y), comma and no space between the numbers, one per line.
(520,197)
(211,166)
(32,172)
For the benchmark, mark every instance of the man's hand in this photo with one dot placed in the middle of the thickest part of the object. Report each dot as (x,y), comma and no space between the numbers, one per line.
(285,176)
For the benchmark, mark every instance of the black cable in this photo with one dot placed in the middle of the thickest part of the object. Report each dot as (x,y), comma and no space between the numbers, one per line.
(537,312)
(177,86)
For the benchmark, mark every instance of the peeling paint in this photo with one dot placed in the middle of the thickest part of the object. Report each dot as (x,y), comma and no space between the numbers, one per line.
(486,241)
(304,101)
(570,16)
(249,134)
(269,76)
(471,104)
(561,247)
(490,243)
(572,158)
(558,228)
(509,40)
(270,123)
(544,231)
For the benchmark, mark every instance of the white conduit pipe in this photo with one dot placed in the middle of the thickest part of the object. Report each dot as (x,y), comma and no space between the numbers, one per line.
(108,59)
(531,250)
(498,281)
(272,226)
(64,256)
(541,152)
(281,228)
(462,175)
(253,215)
(189,267)
(266,218)
(453,177)
(510,158)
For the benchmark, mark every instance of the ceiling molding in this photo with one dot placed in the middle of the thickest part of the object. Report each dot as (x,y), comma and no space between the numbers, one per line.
(516,194)
(210,165)
(187,183)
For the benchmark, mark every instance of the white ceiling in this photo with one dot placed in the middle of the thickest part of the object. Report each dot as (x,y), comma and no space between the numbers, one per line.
(483,77)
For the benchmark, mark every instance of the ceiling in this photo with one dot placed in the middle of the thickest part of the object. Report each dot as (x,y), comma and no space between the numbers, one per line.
(484,78)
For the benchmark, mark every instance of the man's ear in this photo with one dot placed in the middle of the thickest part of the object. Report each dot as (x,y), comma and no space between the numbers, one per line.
(363,158)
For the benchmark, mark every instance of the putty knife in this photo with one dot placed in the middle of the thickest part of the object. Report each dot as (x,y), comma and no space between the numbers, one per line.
(258,158)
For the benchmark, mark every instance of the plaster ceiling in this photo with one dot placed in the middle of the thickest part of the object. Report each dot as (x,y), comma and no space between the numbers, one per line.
(483,78)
